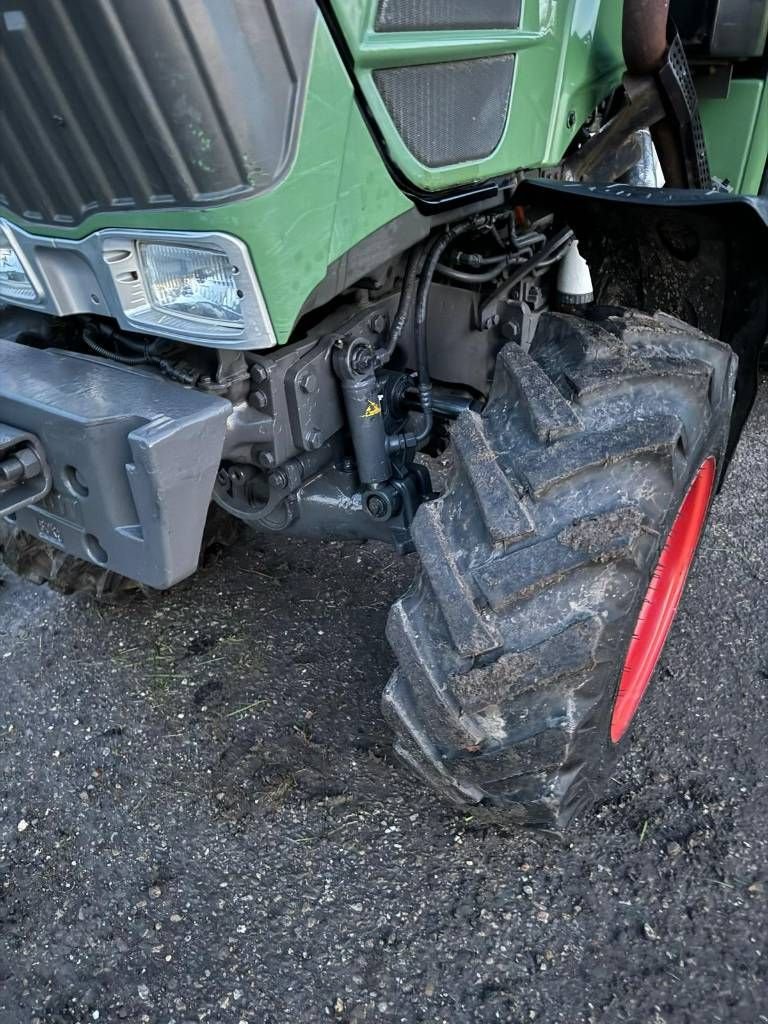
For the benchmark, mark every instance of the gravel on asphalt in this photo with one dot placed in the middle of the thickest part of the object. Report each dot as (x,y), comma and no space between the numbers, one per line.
(201,818)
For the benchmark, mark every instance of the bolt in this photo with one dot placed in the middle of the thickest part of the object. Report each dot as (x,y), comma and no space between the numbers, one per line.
(278,479)
(378,323)
(491,321)
(258,400)
(376,506)
(11,472)
(360,356)
(571,121)
(266,460)
(312,439)
(308,383)
(258,373)
(222,477)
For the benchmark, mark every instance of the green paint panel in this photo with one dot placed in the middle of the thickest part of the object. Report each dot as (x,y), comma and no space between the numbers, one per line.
(339,190)
(568,58)
(337,193)
(757,161)
(736,132)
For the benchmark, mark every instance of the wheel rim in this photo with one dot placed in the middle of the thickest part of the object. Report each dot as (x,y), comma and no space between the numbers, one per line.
(662,598)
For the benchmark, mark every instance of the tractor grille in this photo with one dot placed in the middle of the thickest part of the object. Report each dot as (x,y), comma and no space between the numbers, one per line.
(407,15)
(146,104)
(449,113)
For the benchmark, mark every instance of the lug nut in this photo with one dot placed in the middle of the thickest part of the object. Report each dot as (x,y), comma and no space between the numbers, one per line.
(312,440)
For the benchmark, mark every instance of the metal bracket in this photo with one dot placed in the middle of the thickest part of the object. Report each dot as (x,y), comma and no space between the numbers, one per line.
(25,476)
(676,83)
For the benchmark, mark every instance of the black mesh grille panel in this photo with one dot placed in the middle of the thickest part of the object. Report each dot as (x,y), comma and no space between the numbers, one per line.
(406,15)
(449,113)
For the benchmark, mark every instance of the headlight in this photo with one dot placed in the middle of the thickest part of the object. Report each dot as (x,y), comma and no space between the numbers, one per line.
(190,282)
(198,287)
(15,285)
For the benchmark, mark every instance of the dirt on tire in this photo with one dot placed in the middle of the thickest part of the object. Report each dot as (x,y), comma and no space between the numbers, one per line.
(535,562)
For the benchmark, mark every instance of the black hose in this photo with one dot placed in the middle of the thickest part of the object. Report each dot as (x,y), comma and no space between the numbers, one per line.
(399,442)
(474,259)
(526,240)
(116,357)
(445,402)
(468,277)
(131,343)
(405,305)
(540,259)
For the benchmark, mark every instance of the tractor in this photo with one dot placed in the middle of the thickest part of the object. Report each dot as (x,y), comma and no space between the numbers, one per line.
(279,262)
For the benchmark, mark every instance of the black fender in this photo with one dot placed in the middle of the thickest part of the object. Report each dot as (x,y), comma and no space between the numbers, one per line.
(701,255)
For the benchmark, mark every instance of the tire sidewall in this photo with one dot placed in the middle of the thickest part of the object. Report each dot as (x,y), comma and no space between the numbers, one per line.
(713,444)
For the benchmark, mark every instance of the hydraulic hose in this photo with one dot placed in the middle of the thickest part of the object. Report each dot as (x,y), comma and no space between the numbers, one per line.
(401,442)
(471,277)
(522,244)
(527,239)
(404,308)
(474,259)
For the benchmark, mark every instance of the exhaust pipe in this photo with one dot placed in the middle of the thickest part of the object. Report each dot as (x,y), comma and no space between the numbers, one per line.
(644,43)
(644,35)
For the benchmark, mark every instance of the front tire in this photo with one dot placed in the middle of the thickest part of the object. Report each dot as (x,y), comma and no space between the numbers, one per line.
(536,562)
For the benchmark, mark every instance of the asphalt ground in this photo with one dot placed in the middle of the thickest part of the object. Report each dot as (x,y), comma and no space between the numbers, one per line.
(201,818)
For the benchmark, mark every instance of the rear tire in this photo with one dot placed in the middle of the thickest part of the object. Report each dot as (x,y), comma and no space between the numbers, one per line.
(536,560)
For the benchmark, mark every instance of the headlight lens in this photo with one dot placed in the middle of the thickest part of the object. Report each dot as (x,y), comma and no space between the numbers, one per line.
(14,283)
(199,284)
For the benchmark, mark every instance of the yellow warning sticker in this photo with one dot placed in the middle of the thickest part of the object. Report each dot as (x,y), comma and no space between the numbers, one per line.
(371,410)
